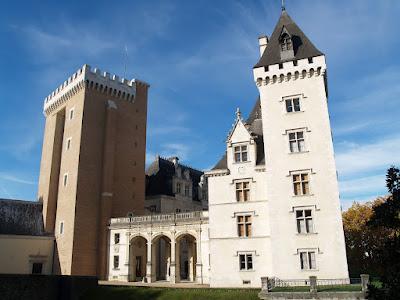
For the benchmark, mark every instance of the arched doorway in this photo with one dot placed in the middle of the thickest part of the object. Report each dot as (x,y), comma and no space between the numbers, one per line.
(161,258)
(137,258)
(186,257)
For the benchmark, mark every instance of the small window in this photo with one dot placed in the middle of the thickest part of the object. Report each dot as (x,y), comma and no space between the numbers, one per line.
(178,188)
(301,185)
(65,179)
(68,143)
(242,191)
(244,226)
(178,210)
(187,190)
(295,63)
(304,221)
(292,105)
(245,261)
(296,142)
(310,60)
(281,66)
(307,260)
(71,113)
(61,228)
(116,261)
(240,153)
(286,42)
(37,268)
(116,238)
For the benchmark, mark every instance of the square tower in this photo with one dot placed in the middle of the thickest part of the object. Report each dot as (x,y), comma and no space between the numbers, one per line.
(93,165)
(302,189)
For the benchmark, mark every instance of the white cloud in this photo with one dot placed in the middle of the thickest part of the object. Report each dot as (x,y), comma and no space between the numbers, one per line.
(369,156)
(12,178)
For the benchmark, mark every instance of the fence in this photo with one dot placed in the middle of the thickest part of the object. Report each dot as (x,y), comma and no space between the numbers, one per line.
(270,283)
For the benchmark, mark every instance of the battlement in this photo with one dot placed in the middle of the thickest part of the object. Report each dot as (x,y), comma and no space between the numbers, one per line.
(94,79)
(290,70)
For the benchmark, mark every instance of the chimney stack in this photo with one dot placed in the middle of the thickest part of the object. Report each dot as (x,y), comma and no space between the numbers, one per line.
(262,41)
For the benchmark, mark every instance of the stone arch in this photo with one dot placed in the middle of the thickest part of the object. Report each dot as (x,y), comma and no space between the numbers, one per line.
(161,256)
(186,255)
(137,257)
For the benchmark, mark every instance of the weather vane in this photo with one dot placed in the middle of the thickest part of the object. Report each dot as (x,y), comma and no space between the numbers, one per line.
(283,5)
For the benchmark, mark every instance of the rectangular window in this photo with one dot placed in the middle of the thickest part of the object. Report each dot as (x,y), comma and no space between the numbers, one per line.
(65,179)
(307,260)
(61,228)
(242,191)
(245,261)
(71,113)
(301,184)
(292,105)
(178,188)
(296,141)
(304,221)
(37,268)
(240,153)
(187,188)
(116,238)
(116,261)
(244,226)
(68,145)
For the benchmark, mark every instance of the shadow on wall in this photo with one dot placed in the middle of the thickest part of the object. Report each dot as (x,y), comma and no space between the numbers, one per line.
(45,287)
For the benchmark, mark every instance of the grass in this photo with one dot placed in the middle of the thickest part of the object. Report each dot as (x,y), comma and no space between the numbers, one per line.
(145,293)
(322,288)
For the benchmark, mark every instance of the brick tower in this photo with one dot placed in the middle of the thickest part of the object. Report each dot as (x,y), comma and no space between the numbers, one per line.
(93,165)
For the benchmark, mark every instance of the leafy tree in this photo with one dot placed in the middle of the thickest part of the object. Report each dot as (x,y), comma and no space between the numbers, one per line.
(387,216)
(363,243)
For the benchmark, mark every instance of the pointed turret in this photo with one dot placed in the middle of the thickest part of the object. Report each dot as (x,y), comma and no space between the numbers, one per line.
(287,43)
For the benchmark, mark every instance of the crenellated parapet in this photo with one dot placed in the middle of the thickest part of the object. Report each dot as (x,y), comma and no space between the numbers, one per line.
(290,70)
(102,82)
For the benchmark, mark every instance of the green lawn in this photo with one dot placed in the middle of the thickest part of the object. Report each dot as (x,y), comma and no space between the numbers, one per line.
(144,293)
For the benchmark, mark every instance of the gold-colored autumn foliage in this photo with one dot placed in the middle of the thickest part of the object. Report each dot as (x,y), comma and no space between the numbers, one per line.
(362,241)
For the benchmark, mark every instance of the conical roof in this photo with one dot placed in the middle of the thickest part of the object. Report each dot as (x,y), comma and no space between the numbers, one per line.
(302,46)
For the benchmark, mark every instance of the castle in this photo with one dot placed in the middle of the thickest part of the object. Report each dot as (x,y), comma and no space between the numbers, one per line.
(269,207)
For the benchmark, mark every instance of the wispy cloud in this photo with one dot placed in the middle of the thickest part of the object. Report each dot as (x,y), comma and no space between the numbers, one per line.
(363,185)
(354,158)
(12,178)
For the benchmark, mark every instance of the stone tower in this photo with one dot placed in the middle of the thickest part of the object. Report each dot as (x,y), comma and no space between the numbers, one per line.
(93,165)
(302,189)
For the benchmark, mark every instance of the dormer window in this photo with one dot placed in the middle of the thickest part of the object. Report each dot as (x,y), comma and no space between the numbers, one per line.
(286,42)
(240,153)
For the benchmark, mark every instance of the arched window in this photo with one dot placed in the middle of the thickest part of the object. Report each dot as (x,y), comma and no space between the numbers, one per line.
(286,42)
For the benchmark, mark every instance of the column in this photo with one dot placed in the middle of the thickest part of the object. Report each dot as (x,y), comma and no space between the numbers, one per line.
(199,265)
(191,260)
(148,264)
(172,278)
(177,261)
(127,256)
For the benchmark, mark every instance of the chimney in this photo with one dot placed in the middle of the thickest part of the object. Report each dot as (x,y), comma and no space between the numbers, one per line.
(262,41)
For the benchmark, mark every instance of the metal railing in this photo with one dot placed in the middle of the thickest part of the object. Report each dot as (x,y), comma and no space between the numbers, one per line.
(161,218)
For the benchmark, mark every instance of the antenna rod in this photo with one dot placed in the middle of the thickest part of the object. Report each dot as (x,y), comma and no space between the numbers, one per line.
(283,5)
(126,60)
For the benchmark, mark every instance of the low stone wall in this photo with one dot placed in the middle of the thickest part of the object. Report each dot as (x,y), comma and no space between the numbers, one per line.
(308,295)
(44,287)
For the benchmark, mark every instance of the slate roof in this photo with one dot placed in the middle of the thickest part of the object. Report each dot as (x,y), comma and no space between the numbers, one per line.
(254,125)
(21,217)
(159,177)
(302,46)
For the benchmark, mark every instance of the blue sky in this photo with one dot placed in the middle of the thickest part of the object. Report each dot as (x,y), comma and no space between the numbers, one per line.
(198,58)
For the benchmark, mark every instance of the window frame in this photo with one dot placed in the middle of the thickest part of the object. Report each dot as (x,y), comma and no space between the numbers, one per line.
(243,190)
(244,225)
(178,188)
(296,141)
(41,263)
(187,190)
(240,153)
(303,184)
(68,143)
(65,179)
(117,238)
(116,262)
(310,262)
(61,228)
(301,221)
(71,113)
(246,262)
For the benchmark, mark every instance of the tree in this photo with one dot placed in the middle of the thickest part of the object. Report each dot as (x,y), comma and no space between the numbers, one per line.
(363,243)
(386,216)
